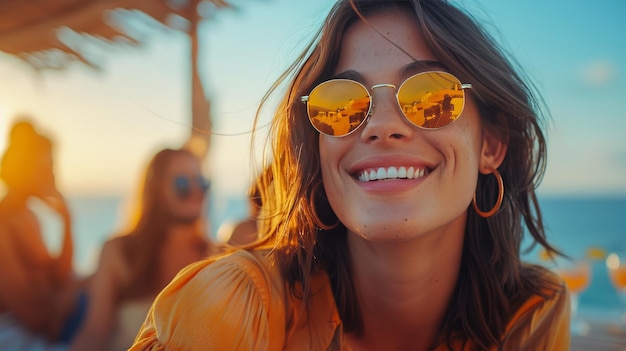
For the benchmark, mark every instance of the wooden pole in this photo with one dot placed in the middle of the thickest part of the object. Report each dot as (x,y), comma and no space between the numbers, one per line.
(200,134)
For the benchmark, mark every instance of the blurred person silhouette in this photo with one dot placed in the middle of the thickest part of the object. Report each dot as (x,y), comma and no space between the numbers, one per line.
(245,231)
(167,233)
(395,235)
(41,303)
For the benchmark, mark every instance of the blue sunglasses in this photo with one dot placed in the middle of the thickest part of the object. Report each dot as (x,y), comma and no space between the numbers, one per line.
(183,184)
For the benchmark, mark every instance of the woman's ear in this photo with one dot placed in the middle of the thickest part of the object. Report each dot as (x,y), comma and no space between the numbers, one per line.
(493,150)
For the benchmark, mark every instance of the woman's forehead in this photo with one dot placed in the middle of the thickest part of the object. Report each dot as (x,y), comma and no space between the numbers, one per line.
(181,163)
(385,41)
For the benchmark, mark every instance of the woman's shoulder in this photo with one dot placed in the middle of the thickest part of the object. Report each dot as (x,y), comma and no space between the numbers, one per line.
(114,243)
(113,264)
(542,320)
(552,298)
(550,284)
(234,270)
(235,297)
(112,252)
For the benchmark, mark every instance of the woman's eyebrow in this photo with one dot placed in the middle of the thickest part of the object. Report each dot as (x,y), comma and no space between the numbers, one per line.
(421,66)
(350,74)
(409,69)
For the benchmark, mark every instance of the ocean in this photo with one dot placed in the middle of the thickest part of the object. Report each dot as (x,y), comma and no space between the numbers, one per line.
(573,225)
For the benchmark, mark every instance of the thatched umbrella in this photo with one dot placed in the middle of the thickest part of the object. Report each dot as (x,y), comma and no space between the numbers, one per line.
(52,34)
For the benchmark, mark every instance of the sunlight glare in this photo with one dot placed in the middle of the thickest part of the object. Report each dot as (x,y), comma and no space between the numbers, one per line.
(612,261)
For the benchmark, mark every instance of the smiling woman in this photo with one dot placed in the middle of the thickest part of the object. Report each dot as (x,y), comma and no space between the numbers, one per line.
(399,120)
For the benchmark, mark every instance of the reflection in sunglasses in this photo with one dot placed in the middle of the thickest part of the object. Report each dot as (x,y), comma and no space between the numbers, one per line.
(428,100)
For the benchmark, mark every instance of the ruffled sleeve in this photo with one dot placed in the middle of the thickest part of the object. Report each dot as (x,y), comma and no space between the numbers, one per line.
(232,303)
(541,324)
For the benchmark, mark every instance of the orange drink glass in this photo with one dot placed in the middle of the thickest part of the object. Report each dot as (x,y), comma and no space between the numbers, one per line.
(616,266)
(577,276)
(618,277)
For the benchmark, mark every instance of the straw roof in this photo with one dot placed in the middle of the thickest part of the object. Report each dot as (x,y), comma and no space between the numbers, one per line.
(52,33)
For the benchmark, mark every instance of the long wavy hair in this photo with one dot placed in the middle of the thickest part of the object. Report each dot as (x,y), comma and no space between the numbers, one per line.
(151,220)
(307,237)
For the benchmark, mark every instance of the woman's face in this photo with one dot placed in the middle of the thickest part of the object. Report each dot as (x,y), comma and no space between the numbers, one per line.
(448,158)
(184,192)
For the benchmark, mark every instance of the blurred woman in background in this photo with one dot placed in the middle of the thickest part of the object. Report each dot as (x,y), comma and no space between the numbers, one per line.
(40,304)
(167,234)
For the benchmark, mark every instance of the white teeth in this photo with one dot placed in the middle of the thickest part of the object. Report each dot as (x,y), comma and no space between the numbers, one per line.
(392,173)
(401,172)
(381,174)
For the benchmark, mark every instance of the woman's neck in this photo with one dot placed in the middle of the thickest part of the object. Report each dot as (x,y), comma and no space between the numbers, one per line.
(183,227)
(404,288)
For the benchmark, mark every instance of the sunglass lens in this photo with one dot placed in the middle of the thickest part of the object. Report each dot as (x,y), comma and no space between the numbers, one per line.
(204,183)
(338,106)
(182,186)
(431,100)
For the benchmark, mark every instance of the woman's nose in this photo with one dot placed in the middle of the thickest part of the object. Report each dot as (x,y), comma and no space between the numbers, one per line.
(386,120)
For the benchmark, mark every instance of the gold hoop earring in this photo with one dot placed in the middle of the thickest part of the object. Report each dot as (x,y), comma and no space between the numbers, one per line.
(500,197)
(319,224)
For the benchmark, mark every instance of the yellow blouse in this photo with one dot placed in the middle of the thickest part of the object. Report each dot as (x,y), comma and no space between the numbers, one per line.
(241,302)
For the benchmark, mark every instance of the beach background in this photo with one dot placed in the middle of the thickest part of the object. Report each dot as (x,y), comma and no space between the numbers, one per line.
(574,224)
(107,123)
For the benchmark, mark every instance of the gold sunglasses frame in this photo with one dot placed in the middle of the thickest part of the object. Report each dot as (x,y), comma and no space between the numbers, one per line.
(462,87)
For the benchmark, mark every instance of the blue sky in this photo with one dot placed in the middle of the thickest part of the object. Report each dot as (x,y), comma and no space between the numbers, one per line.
(108,123)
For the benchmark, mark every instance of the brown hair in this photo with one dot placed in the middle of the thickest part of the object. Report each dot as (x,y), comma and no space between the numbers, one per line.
(306,234)
(150,224)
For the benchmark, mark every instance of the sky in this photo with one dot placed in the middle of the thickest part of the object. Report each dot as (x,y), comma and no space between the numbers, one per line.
(106,124)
